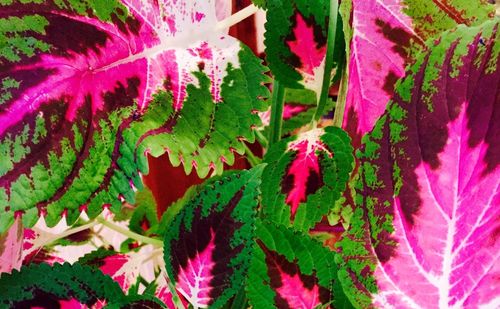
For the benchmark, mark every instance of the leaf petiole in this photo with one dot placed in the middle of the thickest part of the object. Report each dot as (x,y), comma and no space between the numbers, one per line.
(64,234)
(236,17)
(278,101)
(338,116)
(130,234)
(330,48)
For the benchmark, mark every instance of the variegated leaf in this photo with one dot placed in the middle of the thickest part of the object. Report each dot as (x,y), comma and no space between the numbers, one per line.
(208,246)
(424,234)
(291,270)
(89,87)
(305,175)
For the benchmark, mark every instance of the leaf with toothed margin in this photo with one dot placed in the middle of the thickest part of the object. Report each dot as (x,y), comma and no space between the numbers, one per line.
(208,245)
(260,3)
(384,38)
(425,230)
(291,270)
(305,175)
(295,40)
(88,89)
(42,285)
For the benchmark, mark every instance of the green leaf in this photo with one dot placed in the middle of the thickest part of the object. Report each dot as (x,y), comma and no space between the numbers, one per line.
(291,270)
(45,284)
(172,210)
(208,245)
(305,175)
(431,18)
(260,3)
(145,212)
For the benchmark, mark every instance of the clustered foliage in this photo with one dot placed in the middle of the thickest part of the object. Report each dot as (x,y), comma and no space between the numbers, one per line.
(377,121)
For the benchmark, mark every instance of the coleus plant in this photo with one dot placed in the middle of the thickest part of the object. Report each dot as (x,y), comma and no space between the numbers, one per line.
(371,177)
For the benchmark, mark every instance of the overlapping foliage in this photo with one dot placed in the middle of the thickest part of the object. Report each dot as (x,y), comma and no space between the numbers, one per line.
(383,192)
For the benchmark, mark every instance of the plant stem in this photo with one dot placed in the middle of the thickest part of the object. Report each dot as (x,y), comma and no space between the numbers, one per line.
(240,299)
(278,101)
(261,138)
(330,48)
(66,234)
(236,17)
(338,116)
(251,158)
(130,234)
(175,297)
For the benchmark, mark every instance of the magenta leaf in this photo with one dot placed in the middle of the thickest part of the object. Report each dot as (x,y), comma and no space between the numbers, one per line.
(305,175)
(424,234)
(208,246)
(88,90)
(291,270)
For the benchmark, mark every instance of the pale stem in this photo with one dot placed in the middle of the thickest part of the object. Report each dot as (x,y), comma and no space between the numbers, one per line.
(66,234)
(236,17)
(130,234)
(175,297)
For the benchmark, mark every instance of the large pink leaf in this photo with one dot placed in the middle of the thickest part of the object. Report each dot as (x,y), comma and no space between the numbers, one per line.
(381,35)
(98,86)
(425,234)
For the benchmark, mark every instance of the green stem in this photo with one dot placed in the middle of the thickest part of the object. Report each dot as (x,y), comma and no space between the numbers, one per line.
(338,116)
(276,112)
(330,48)
(130,234)
(261,138)
(251,158)
(240,299)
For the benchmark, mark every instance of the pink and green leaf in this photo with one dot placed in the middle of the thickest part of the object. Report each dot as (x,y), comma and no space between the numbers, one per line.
(379,47)
(79,112)
(208,245)
(295,39)
(384,38)
(128,269)
(291,270)
(305,175)
(428,196)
